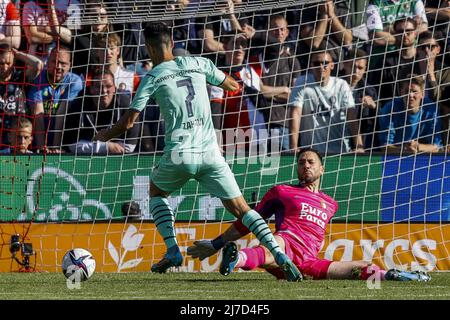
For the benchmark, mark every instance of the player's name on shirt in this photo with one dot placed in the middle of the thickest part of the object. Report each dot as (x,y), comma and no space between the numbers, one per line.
(193,123)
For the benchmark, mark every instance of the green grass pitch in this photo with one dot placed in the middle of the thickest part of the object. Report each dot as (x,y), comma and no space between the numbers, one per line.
(212,286)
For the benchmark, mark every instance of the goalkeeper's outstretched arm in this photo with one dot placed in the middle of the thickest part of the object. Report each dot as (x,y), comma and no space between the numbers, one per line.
(203,249)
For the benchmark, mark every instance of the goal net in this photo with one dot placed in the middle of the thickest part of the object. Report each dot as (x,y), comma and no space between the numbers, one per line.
(354,73)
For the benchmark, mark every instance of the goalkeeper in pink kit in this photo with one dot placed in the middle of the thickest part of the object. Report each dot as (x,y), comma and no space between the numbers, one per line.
(301,214)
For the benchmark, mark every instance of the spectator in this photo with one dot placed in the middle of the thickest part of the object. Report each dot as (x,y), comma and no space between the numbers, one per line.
(397,65)
(131,34)
(20,136)
(242,109)
(438,14)
(365,96)
(43,25)
(212,30)
(432,64)
(88,35)
(48,98)
(12,85)
(320,108)
(10,24)
(233,110)
(125,80)
(133,44)
(99,109)
(277,67)
(184,29)
(270,32)
(410,123)
(380,17)
(445,111)
(321,27)
(438,77)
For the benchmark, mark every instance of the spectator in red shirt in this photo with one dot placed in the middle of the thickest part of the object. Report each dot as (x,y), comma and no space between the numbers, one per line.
(10,24)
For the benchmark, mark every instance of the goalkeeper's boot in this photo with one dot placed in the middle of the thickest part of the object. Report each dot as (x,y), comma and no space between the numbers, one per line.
(229,258)
(397,275)
(289,269)
(172,258)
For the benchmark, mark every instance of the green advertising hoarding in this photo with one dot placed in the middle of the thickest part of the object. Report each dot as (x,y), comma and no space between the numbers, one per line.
(69,188)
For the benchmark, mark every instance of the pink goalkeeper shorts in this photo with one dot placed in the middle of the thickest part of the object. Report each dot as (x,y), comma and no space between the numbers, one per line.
(308,265)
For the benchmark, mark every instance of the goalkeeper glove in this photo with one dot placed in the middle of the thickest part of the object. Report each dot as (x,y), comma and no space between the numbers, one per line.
(205,248)
(201,249)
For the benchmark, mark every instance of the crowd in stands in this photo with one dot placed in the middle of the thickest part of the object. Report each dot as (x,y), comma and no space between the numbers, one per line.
(309,76)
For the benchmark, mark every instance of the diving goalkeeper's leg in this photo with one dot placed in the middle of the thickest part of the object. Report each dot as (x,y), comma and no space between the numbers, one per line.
(256,224)
(364,270)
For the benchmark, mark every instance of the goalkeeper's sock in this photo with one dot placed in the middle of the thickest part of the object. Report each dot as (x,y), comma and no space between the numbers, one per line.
(251,258)
(256,224)
(164,220)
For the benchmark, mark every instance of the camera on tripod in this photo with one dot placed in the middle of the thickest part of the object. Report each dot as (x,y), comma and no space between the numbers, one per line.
(26,250)
(15,243)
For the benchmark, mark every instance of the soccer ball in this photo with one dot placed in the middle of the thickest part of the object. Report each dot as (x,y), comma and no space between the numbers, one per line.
(78,264)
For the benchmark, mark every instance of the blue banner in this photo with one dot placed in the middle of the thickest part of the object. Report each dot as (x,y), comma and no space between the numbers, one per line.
(416,189)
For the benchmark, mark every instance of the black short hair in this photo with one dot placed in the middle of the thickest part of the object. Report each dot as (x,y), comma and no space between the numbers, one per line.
(356,54)
(304,150)
(405,20)
(157,34)
(99,73)
(424,36)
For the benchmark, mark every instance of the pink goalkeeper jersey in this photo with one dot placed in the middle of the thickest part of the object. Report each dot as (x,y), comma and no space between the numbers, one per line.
(299,212)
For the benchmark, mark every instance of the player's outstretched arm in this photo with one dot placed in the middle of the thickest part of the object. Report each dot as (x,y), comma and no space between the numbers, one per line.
(229,84)
(203,249)
(125,122)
